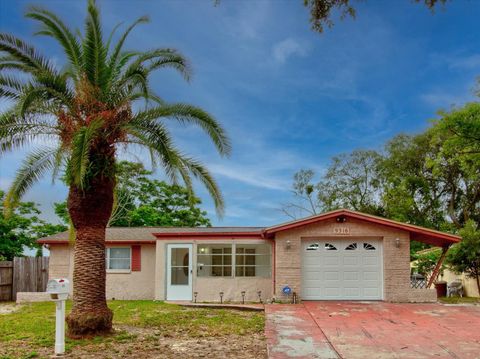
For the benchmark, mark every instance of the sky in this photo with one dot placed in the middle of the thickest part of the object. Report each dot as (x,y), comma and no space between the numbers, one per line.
(288,97)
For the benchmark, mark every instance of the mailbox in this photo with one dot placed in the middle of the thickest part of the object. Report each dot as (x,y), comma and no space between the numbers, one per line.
(58,288)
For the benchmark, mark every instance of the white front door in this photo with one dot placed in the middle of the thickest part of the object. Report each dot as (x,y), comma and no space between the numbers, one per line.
(348,269)
(179,272)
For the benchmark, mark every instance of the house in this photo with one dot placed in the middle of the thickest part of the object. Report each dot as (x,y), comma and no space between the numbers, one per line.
(338,255)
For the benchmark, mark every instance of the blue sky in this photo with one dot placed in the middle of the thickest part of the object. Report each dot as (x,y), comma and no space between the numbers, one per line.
(288,97)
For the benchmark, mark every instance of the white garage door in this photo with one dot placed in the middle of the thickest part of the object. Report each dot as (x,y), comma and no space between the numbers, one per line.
(348,269)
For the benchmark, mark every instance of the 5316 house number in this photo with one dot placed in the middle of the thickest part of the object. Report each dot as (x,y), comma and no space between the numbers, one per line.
(341,230)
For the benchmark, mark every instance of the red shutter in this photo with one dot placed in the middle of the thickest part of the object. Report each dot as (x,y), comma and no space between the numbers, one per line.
(136,258)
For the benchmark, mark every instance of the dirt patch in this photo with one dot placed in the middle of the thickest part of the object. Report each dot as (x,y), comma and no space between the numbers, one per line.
(135,342)
(8,308)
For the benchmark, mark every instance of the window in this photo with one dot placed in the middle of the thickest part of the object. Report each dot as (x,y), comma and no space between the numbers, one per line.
(252,260)
(330,247)
(351,247)
(239,260)
(214,260)
(118,258)
(368,247)
(313,247)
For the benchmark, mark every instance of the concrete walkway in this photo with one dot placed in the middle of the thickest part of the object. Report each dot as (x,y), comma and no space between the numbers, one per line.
(354,330)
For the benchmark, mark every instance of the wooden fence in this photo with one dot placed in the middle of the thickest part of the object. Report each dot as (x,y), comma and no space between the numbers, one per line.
(23,274)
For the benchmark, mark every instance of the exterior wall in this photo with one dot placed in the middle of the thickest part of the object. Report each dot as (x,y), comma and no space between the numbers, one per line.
(208,288)
(469,284)
(129,285)
(396,261)
(134,285)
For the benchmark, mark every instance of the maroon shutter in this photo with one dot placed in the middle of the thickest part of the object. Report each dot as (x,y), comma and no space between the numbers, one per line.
(136,258)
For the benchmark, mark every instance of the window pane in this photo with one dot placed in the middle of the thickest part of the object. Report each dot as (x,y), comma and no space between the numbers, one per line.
(178,276)
(119,252)
(214,260)
(118,258)
(253,260)
(119,263)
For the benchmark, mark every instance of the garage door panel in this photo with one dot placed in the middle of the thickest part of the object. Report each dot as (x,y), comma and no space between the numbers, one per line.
(350,261)
(350,275)
(353,274)
(331,275)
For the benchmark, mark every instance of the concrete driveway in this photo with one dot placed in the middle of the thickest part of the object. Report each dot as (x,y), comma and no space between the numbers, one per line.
(372,330)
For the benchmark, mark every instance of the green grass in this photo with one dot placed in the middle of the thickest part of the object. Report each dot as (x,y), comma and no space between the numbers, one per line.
(458,300)
(33,325)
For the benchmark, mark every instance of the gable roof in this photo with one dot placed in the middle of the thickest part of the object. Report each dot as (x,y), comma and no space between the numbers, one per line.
(417,233)
(151,234)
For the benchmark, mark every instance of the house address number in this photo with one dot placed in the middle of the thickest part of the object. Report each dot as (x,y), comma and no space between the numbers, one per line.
(341,230)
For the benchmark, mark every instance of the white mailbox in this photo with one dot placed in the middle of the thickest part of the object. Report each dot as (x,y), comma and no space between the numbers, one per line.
(58,288)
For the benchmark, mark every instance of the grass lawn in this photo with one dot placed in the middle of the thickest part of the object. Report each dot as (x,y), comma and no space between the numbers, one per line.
(458,300)
(142,329)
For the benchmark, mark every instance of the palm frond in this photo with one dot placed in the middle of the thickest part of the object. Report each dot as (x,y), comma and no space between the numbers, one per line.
(54,27)
(10,87)
(186,114)
(79,160)
(24,53)
(157,138)
(159,58)
(33,168)
(201,173)
(118,48)
(94,53)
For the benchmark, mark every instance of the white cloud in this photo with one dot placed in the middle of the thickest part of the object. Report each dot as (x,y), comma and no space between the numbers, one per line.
(287,48)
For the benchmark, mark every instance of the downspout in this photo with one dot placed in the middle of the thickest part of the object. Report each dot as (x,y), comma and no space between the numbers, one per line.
(274,262)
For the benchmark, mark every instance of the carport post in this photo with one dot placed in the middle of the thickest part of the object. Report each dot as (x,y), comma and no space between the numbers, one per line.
(436,271)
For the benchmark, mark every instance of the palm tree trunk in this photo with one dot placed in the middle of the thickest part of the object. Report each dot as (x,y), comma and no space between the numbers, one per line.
(90,211)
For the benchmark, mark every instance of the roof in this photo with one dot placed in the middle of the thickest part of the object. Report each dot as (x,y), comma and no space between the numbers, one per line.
(150,234)
(417,233)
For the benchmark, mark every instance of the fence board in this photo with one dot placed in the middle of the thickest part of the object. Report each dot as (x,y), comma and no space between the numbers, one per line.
(6,280)
(27,274)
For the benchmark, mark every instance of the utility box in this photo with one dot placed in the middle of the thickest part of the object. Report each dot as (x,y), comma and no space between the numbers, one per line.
(58,288)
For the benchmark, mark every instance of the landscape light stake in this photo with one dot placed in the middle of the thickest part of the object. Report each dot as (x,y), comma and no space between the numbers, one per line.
(260,296)
(221,297)
(243,297)
(195,296)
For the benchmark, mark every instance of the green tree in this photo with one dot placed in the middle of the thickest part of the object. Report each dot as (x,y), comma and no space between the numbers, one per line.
(412,192)
(98,101)
(464,257)
(351,181)
(143,201)
(22,228)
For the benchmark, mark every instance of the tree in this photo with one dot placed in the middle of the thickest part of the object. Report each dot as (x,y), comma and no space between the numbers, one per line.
(321,11)
(412,192)
(22,228)
(351,181)
(142,201)
(464,257)
(99,101)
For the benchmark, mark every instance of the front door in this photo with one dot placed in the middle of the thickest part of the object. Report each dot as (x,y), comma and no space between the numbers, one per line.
(179,272)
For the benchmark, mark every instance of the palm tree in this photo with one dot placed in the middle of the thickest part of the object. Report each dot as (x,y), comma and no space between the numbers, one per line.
(99,101)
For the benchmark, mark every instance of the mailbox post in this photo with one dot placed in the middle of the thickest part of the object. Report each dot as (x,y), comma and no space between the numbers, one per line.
(58,290)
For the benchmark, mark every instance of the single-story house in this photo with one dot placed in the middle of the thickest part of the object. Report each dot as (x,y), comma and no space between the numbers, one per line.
(338,255)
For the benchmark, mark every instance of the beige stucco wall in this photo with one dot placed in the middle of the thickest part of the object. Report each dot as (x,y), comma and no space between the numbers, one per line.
(130,285)
(396,261)
(208,288)
(469,284)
